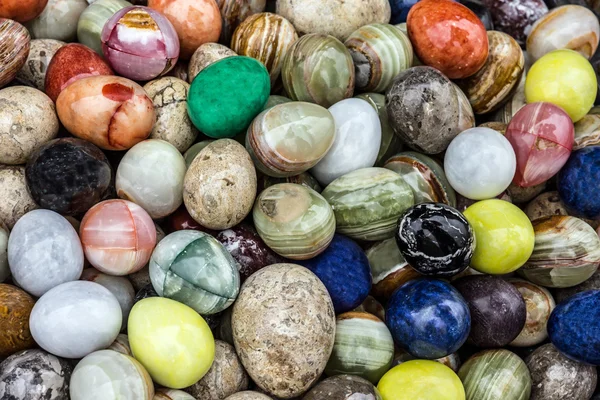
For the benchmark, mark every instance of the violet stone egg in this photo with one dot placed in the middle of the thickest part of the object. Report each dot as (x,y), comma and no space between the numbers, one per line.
(140,43)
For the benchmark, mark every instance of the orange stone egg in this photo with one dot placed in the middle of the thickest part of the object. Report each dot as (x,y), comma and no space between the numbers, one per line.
(15,308)
(113,113)
(196,22)
(21,10)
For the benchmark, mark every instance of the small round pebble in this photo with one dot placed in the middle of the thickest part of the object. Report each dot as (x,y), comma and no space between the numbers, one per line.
(34,71)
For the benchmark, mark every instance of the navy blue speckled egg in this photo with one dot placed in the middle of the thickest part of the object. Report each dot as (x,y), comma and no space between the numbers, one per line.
(428,318)
(579,183)
(400,9)
(574,327)
(344,270)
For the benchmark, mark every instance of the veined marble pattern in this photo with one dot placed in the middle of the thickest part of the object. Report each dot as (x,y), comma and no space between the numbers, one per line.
(92,20)
(388,268)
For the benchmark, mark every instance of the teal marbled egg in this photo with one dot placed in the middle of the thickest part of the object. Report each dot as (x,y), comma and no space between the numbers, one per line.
(425,177)
(380,52)
(290,138)
(390,142)
(293,220)
(319,69)
(566,252)
(495,375)
(92,20)
(368,202)
(388,268)
(193,268)
(363,346)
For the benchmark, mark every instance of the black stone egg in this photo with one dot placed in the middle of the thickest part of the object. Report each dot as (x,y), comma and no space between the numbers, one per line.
(68,176)
(435,239)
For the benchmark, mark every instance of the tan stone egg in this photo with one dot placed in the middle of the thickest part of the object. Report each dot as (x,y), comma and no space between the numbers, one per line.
(27,121)
(220,185)
(225,377)
(41,52)
(16,200)
(283,329)
(205,55)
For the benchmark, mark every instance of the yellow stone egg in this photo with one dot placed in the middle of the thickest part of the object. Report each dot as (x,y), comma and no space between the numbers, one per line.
(564,78)
(504,236)
(421,380)
(171,340)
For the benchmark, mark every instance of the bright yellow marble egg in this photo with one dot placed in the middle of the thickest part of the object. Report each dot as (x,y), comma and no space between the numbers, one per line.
(564,78)
(421,380)
(171,340)
(504,236)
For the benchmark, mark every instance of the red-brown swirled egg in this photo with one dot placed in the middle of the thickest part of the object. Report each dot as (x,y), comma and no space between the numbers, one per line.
(140,43)
(113,113)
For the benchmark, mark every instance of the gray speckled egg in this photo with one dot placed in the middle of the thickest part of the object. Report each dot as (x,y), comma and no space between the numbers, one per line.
(16,200)
(169,96)
(225,377)
(27,120)
(205,55)
(41,52)
(284,328)
(34,375)
(333,17)
(220,185)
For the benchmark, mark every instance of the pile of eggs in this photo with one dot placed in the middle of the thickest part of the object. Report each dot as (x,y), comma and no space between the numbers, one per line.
(299,199)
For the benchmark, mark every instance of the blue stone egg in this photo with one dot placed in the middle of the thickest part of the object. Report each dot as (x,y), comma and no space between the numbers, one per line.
(344,270)
(400,9)
(574,327)
(428,318)
(579,183)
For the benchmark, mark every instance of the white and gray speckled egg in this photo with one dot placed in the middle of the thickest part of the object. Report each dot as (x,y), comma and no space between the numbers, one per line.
(16,200)
(34,71)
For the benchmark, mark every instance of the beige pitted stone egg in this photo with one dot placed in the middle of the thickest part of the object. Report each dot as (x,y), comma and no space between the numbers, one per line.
(283,329)
(225,377)
(16,200)
(27,120)
(220,185)
(338,18)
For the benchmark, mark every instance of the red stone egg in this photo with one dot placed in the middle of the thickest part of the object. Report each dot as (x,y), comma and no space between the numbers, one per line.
(448,36)
(542,136)
(21,10)
(140,43)
(14,48)
(70,63)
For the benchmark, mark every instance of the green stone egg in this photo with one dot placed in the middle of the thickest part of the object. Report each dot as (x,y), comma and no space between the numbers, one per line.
(388,268)
(318,69)
(425,177)
(92,20)
(293,220)
(390,142)
(368,202)
(380,52)
(566,252)
(225,97)
(290,138)
(193,268)
(495,375)
(363,346)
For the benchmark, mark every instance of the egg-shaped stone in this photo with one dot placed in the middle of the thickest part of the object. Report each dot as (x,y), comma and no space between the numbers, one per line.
(248,395)
(207,54)
(343,387)
(284,362)
(22,11)
(16,200)
(58,20)
(93,19)
(15,333)
(14,42)
(40,55)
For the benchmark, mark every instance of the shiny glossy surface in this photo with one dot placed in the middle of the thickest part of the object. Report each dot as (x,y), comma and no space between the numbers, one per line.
(542,136)
(119,286)
(113,113)
(539,304)
(234,12)
(564,78)
(499,77)
(294,221)
(504,236)
(171,341)
(577,182)
(587,132)
(14,41)
(118,237)
(498,311)
(480,163)
(34,70)
(93,19)
(356,143)
(516,17)
(448,36)
(15,311)
(574,327)
(290,138)
(423,380)
(425,122)
(368,202)
(22,11)
(428,318)
(318,69)
(205,55)
(140,43)
(58,20)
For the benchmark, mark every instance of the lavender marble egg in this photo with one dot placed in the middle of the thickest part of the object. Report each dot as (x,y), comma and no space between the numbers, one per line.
(44,251)
(34,375)
(140,43)
(357,140)
(75,319)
